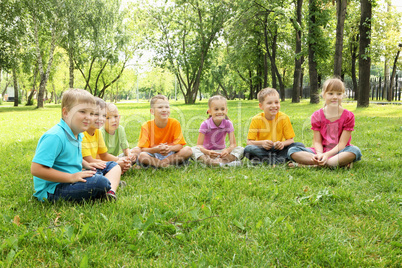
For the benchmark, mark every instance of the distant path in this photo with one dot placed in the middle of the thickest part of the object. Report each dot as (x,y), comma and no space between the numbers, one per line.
(380,102)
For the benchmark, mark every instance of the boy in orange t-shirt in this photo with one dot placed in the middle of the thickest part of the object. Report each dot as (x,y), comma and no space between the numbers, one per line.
(161,140)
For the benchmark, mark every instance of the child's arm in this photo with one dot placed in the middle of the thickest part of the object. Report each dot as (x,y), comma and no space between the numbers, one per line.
(279,145)
(93,165)
(232,145)
(123,162)
(89,159)
(343,140)
(200,144)
(50,174)
(266,144)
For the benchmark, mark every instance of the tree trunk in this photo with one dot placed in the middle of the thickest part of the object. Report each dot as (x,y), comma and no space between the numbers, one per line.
(71,68)
(392,82)
(314,96)
(298,58)
(44,76)
(364,58)
(353,49)
(341,14)
(15,87)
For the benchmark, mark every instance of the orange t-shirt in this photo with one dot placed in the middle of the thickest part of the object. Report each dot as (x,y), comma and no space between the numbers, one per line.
(151,135)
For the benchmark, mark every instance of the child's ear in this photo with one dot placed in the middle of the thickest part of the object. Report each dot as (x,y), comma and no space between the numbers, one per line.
(259,105)
(152,111)
(64,112)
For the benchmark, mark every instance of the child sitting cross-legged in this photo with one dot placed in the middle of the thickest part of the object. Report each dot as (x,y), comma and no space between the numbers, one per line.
(94,149)
(57,166)
(211,149)
(332,126)
(271,134)
(115,137)
(161,140)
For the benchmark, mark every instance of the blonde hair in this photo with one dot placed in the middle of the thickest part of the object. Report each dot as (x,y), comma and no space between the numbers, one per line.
(333,84)
(214,98)
(156,98)
(76,96)
(266,92)
(111,107)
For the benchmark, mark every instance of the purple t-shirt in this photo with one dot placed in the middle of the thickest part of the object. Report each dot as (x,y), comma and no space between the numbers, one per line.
(331,131)
(215,135)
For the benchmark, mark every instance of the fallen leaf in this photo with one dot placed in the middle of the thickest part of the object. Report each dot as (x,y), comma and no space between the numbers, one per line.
(17,220)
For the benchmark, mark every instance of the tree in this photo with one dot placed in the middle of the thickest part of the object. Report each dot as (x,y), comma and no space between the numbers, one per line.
(103,47)
(364,54)
(341,14)
(297,23)
(186,32)
(12,39)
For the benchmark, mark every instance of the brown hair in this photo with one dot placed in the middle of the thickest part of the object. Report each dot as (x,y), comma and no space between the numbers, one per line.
(265,92)
(99,102)
(156,98)
(333,84)
(76,96)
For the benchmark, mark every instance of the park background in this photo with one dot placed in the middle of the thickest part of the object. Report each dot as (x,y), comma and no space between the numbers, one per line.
(250,216)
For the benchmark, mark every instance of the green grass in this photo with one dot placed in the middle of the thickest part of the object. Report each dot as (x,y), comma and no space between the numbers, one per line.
(199,217)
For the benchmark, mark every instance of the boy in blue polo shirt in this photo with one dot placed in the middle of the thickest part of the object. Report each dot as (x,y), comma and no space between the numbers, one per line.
(57,164)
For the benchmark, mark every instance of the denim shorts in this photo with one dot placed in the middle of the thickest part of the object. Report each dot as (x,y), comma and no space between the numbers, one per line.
(95,187)
(350,149)
(160,156)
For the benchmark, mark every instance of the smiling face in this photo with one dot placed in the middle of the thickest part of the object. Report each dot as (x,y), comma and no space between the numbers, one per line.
(333,98)
(79,117)
(98,118)
(270,106)
(161,110)
(218,110)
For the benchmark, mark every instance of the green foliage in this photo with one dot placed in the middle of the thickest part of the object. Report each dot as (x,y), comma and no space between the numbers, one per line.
(250,216)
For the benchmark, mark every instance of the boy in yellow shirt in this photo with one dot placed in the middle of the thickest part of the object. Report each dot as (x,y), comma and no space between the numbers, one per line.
(161,140)
(270,134)
(94,149)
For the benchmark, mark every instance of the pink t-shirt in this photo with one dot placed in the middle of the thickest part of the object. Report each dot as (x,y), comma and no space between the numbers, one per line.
(215,135)
(331,131)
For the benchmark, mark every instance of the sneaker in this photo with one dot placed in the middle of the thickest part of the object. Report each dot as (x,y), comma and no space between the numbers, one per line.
(111,195)
(231,164)
(122,184)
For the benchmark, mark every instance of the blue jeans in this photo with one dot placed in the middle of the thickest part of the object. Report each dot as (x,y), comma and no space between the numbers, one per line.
(271,156)
(95,187)
(351,149)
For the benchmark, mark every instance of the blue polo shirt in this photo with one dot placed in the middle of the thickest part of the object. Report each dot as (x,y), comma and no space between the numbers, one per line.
(58,149)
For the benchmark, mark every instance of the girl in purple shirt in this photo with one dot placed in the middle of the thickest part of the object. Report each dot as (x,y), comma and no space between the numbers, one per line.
(332,126)
(211,148)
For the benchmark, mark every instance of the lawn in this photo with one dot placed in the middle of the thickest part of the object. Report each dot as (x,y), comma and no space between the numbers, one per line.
(249,216)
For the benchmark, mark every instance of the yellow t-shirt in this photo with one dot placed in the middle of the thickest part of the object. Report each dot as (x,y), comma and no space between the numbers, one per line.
(278,129)
(151,135)
(93,145)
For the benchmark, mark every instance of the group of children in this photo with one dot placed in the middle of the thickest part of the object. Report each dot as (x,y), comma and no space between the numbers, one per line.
(79,158)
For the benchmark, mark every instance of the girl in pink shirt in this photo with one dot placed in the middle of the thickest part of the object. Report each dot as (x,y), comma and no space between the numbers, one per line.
(332,126)
(211,148)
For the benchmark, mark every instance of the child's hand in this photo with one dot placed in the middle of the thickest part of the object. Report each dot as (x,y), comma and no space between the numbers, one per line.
(132,157)
(267,145)
(79,176)
(278,145)
(96,165)
(165,149)
(214,154)
(124,163)
(225,152)
(320,158)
